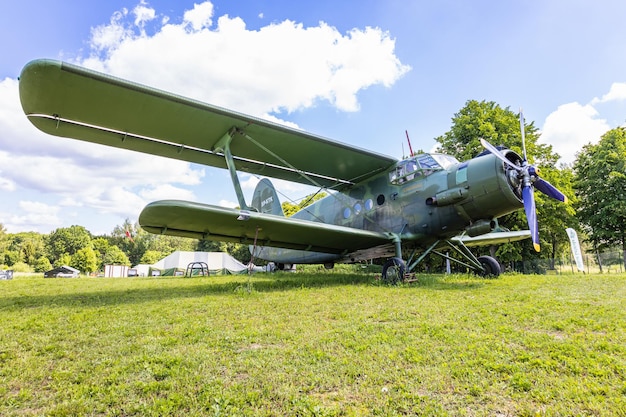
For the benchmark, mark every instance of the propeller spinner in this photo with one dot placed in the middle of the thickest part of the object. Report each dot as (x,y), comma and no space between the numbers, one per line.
(528,176)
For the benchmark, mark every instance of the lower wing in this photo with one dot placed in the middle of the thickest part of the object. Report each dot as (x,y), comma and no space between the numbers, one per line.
(203,221)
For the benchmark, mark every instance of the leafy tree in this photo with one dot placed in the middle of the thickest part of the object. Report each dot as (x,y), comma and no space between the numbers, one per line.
(150,257)
(100,245)
(11,257)
(169,244)
(85,260)
(65,259)
(4,239)
(115,256)
(130,238)
(134,242)
(290,208)
(499,126)
(30,245)
(21,267)
(67,240)
(42,264)
(600,184)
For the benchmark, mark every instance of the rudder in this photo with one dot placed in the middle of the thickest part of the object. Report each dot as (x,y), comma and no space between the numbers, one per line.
(265,199)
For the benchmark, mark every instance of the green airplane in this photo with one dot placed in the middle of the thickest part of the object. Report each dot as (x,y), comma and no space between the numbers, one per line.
(377,206)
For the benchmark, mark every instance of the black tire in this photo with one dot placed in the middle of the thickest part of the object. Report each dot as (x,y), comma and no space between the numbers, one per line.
(490,265)
(393,271)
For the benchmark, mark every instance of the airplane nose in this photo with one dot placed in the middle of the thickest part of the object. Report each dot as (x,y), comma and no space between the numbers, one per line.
(492,191)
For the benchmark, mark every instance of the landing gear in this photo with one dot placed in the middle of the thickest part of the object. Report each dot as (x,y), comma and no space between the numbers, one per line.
(491,267)
(393,271)
(485,266)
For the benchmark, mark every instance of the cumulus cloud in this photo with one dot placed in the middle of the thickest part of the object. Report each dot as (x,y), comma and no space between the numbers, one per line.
(200,16)
(279,68)
(143,14)
(32,216)
(616,93)
(570,127)
(573,125)
(283,66)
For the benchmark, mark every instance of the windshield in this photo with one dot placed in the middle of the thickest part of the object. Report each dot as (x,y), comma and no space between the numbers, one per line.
(421,165)
(446,161)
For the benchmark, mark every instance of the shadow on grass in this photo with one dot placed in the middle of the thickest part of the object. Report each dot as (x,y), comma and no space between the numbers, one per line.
(180,287)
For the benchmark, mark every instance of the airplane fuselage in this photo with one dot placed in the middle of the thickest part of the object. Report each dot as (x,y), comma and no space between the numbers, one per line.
(420,200)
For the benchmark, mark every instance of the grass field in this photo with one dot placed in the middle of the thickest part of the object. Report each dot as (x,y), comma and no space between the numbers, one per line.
(318,345)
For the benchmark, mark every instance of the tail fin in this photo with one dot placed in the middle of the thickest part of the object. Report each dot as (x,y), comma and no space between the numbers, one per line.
(265,200)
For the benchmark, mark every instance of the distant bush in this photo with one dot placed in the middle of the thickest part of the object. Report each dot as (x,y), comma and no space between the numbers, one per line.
(21,267)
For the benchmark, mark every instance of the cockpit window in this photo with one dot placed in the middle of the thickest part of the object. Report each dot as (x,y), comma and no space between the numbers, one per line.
(428,162)
(405,171)
(446,161)
(421,165)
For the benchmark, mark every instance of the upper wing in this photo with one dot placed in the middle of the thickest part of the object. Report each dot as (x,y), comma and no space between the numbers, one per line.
(492,238)
(203,221)
(71,101)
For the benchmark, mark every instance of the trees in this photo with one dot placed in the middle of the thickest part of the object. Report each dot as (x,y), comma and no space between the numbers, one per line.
(600,185)
(290,209)
(499,126)
(67,240)
(85,260)
(115,256)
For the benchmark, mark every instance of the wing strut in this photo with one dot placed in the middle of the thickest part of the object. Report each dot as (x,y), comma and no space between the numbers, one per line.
(223,145)
(299,171)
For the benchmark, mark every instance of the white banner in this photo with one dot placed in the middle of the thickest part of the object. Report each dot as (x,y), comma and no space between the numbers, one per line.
(575,245)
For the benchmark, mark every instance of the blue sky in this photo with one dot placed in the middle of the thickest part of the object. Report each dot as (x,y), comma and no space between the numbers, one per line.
(406,65)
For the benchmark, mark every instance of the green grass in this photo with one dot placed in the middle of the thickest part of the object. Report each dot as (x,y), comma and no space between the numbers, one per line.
(314,344)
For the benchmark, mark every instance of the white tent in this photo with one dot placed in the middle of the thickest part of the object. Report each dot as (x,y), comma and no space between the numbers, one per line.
(218,262)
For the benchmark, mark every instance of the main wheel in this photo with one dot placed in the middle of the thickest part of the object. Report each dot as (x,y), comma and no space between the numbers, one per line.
(490,265)
(393,271)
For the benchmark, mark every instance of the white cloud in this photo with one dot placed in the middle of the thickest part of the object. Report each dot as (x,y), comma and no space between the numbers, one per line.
(200,16)
(6,184)
(616,93)
(228,204)
(143,14)
(108,36)
(280,67)
(167,191)
(570,127)
(573,125)
(32,215)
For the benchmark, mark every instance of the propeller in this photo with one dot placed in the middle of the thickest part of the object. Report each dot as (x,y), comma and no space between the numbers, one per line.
(528,177)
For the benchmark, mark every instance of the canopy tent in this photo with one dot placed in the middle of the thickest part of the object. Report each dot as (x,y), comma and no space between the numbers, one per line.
(218,262)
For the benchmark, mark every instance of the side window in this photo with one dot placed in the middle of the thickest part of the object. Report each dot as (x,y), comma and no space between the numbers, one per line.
(405,171)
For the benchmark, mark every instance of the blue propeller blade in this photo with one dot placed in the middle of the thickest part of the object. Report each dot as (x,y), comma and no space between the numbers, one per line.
(549,190)
(528,196)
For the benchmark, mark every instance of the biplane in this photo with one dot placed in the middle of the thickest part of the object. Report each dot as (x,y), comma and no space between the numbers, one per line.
(376,206)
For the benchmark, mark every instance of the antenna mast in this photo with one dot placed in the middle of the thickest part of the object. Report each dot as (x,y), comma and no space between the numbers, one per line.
(409,140)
